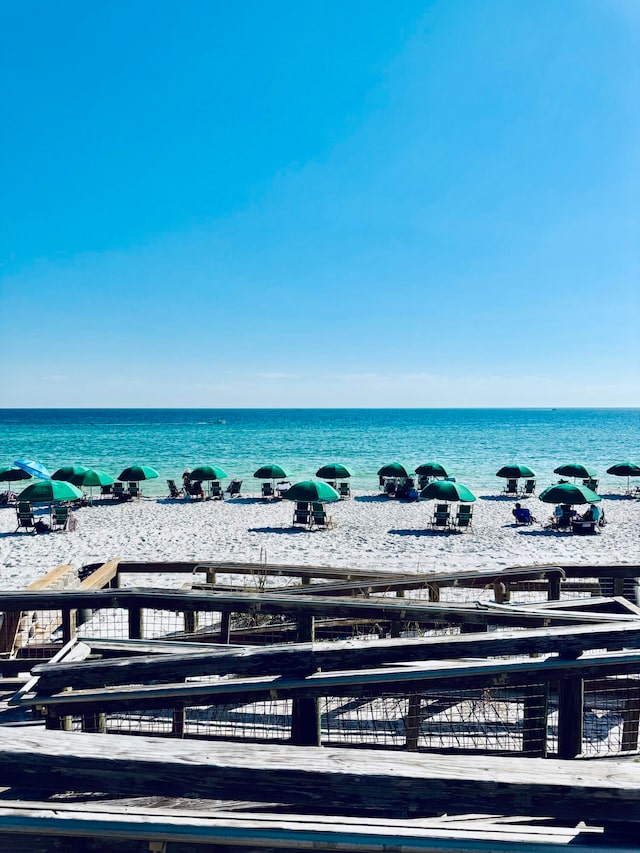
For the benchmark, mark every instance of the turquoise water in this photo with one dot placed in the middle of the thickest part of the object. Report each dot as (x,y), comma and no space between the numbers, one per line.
(471,443)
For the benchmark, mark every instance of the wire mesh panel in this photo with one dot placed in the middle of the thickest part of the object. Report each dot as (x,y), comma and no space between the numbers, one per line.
(107,623)
(34,633)
(611,716)
(489,719)
(162,623)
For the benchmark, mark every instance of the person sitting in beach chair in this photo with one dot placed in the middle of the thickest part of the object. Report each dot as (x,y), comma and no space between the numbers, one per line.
(390,487)
(26,518)
(233,489)
(302,514)
(195,490)
(563,515)
(441,517)
(319,517)
(174,491)
(522,515)
(587,522)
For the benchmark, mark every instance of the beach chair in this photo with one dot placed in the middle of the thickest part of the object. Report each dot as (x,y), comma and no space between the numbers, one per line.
(441,517)
(233,489)
(106,491)
(390,488)
(591,484)
(344,490)
(529,488)
(523,515)
(119,492)
(215,490)
(463,517)
(60,517)
(26,518)
(174,491)
(282,487)
(302,514)
(319,517)
(511,488)
(134,490)
(267,490)
(563,521)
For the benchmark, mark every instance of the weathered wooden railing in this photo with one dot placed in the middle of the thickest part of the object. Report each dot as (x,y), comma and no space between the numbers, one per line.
(320,681)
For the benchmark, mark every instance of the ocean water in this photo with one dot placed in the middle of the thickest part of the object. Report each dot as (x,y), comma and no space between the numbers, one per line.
(471,443)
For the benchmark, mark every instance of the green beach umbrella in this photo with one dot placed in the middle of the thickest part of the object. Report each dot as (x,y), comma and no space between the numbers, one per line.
(514,472)
(47,491)
(270,472)
(334,471)
(135,473)
(11,475)
(68,472)
(431,469)
(93,477)
(569,493)
(575,469)
(444,490)
(310,491)
(622,469)
(208,472)
(393,469)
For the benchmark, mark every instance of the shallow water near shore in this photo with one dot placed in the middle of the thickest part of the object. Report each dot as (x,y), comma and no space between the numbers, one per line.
(471,443)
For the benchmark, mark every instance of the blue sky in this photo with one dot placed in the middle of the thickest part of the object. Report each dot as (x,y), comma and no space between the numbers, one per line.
(320,203)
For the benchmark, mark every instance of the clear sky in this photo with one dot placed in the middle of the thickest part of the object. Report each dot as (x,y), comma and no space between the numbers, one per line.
(320,203)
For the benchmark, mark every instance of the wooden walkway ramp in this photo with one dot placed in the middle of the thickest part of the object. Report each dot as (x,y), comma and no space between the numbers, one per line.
(353,799)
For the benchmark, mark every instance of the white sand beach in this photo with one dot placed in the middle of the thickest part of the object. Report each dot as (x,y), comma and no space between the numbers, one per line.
(370,532)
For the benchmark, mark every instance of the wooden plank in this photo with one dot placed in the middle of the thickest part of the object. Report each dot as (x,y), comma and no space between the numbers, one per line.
(390,608)
(292,658)
(367,780)
(102,577)
(290,831)
(51,578)
(406,679)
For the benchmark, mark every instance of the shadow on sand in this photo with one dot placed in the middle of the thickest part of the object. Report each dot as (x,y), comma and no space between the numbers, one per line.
(367,499)
(278,530)
(435,532)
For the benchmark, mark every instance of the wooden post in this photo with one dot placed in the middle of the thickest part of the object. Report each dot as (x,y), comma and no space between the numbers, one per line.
(190,621)
(396,624)
(553,593)
(305,712)
(534,725)
(412,722)
(135,623)
(94,723)
(434,592)
(570,717)
(68,625)
(618,586)
(225,627)
(178,721)
(499,592)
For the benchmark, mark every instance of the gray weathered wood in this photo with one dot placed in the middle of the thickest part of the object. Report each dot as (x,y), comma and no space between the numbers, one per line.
(371,781)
